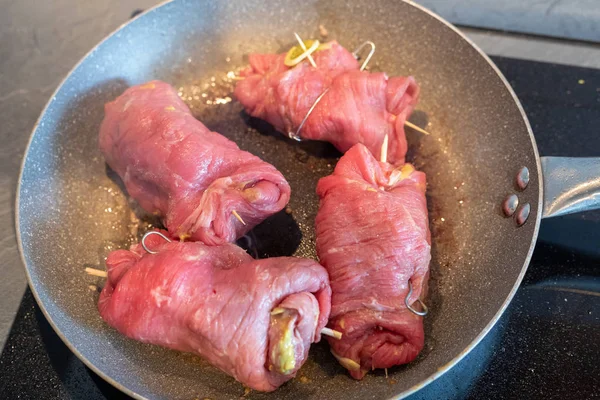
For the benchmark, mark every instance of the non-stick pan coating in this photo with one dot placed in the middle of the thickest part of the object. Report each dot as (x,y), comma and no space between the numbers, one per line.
(72,213)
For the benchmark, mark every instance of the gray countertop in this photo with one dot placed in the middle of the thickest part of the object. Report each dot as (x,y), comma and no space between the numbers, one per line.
(573,19)
(41,41)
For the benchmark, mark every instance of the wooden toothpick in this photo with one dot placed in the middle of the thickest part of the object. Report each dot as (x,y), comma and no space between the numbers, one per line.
(235,213)
(97,272)
(384,148)
(416,128)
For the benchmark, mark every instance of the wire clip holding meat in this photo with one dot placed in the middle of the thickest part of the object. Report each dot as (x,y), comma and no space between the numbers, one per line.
(153,233)
(417,312)
(356,53)
(296,136)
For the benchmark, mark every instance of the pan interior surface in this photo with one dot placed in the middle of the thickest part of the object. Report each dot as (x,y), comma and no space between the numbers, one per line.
(72,212)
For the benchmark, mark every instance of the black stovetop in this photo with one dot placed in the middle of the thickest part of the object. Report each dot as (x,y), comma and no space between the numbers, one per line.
(547,344)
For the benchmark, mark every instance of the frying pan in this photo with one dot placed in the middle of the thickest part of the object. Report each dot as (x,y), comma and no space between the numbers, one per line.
(71,210)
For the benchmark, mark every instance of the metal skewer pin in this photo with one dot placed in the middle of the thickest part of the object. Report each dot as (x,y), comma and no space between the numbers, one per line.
(103,274)
(149,234)
(296,136)
(356,53)
(417,312)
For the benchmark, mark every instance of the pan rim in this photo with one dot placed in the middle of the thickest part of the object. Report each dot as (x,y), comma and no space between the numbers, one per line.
(440,371)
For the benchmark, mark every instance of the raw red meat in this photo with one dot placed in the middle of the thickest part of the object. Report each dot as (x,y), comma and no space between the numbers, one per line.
(253,319)
(176,168)
(373,238)
(359,107)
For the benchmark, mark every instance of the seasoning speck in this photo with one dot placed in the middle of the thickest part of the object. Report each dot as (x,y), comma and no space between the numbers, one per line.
(581,81)
(322,31)
(223,100)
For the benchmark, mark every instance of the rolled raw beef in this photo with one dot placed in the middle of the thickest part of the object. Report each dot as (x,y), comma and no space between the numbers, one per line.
(358,107)
(373,238)
(253,319)
(195,179)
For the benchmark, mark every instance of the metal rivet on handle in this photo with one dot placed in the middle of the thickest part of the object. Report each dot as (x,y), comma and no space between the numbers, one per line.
(523,178)
(509,205)
(523,213)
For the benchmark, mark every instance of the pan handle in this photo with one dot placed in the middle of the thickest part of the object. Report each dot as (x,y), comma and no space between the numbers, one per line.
(571,184)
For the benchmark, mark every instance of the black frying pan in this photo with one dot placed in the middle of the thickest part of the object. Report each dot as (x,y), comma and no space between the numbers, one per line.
(71,212)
